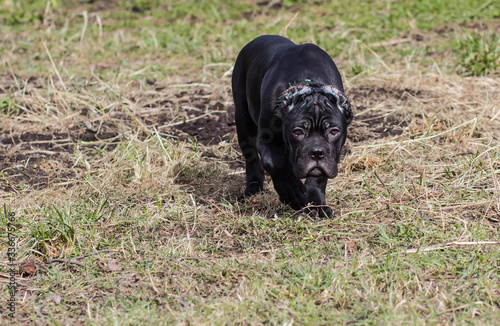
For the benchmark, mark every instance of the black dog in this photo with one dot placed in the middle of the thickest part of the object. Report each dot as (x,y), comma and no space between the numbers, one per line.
(291,118)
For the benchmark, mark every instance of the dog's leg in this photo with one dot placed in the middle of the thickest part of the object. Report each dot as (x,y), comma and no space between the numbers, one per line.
(247,135)
(315,192)
(254,168)
(289,188)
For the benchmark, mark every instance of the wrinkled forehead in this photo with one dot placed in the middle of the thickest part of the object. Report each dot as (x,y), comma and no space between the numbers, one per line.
(314,99)
(297,91)
(315,108)
(305,94)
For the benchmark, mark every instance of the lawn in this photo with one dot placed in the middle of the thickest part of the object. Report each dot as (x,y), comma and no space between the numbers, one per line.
(120,169)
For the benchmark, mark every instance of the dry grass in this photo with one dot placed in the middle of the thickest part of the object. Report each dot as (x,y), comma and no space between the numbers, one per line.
(130,220)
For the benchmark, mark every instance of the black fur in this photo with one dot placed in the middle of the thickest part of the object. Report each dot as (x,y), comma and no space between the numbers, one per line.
(272,75)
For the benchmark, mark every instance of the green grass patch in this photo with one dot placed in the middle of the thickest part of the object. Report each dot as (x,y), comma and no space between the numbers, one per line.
(119,158)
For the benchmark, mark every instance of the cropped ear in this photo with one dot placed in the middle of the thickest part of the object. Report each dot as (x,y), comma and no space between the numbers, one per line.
(289,98)
(340,100)
(281,108)
(278,110)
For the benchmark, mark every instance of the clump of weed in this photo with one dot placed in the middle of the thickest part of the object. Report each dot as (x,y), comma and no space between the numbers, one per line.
(140,5)
(479,55)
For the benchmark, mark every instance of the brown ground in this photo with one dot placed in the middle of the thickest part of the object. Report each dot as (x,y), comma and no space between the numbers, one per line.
(40,158)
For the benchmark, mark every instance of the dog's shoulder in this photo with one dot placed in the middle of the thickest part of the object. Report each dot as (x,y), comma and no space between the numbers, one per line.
(269,40)
(266,46)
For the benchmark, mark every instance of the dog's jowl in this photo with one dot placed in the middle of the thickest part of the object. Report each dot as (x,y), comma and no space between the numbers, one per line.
(291,119)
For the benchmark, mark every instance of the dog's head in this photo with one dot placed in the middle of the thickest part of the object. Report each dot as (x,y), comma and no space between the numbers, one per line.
(314,121)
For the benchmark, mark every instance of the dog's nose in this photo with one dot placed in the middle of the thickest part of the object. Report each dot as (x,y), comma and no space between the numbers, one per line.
(317,153)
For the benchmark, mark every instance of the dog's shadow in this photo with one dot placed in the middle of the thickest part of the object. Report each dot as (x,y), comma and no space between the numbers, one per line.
(222,185)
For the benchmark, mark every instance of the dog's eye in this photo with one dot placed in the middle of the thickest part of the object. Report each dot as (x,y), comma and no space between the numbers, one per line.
(334,132)
(298,132)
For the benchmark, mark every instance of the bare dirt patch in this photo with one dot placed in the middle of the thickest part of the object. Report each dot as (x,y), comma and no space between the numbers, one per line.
(379,93)
(43,158)
(208,128)
(372,126)
(388,121)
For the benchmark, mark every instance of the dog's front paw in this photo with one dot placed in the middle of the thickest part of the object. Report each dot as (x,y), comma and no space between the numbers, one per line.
(291,192)
(325,212)
(293,197)
(319,211)
(295,204)
(251,189)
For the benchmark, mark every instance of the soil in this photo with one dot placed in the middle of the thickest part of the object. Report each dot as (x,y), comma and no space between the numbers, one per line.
(46,158)
(42,159)
(371,126)
(211,129)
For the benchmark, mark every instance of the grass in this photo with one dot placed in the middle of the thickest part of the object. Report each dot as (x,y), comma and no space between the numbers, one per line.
(120,161)
(479,54)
